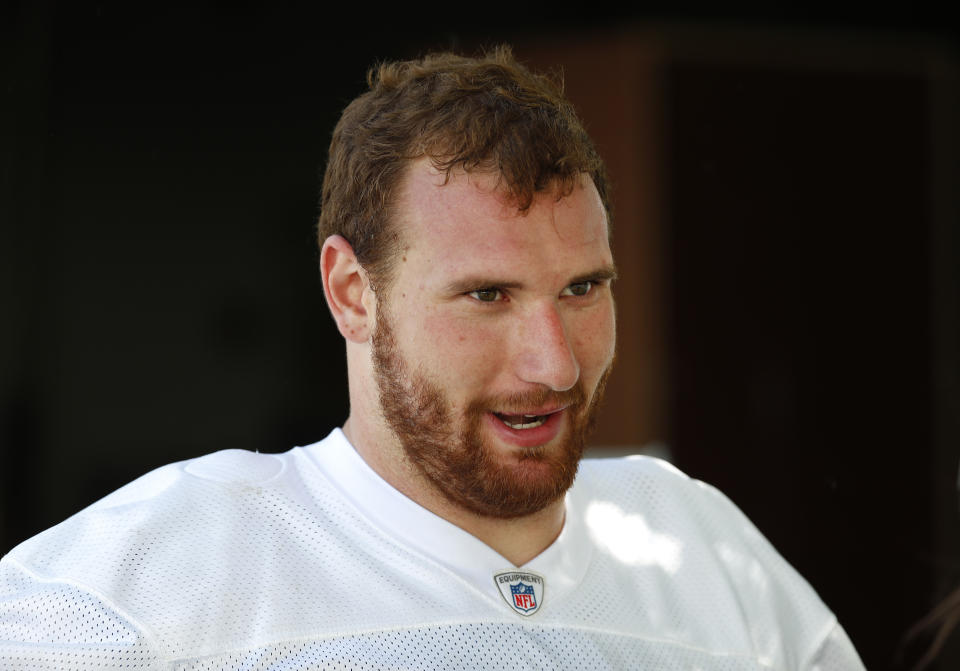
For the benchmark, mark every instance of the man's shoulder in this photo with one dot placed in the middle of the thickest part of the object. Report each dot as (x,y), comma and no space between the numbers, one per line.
(182,501)
(161,554)
(636,476)
(644,512)
(666,497)
(637,465)
(228,467)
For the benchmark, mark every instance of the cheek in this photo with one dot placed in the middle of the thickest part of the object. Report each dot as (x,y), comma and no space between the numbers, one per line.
(596,341)
(460,349)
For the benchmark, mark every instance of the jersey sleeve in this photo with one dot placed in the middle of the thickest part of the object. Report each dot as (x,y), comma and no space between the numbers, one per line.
(812,639)
(836,653)
(53,624)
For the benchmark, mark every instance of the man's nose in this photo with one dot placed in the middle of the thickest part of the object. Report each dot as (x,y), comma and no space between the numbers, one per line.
(545,354)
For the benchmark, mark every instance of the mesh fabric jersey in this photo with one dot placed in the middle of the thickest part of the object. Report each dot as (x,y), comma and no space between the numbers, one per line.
(308,560)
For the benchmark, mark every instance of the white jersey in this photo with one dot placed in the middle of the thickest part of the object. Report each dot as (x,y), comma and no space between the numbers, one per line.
(308,560)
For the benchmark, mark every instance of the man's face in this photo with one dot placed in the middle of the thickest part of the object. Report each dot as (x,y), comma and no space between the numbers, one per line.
(494,338)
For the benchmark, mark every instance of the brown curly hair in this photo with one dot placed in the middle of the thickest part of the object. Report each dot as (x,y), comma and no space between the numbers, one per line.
(489,113)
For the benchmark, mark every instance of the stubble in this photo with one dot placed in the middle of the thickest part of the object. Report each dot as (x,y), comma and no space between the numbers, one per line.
(451,452)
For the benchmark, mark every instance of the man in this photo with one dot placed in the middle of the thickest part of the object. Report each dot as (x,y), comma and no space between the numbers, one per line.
(466,262)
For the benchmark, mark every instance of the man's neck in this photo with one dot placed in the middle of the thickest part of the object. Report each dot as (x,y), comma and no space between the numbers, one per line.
(518,540)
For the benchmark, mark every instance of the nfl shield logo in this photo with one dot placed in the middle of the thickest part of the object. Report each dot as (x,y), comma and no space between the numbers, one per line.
(524,597)
(522,590)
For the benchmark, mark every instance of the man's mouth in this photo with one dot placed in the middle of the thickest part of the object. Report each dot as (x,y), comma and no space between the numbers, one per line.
(522,421)
(526,421)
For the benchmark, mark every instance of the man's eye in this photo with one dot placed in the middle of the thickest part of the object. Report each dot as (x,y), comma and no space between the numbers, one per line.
(486,295)
(578,289)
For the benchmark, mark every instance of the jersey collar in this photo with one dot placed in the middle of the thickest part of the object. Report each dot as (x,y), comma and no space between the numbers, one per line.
(562,564)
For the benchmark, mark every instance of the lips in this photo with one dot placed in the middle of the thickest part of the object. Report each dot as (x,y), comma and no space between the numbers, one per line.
(528,429)
(522,422)
(526,421)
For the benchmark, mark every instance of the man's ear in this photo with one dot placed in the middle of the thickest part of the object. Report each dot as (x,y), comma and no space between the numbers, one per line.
(347,289)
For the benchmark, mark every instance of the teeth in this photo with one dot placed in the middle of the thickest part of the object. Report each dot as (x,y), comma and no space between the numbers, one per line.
(529,422)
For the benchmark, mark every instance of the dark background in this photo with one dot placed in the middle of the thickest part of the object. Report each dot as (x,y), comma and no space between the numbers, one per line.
(160,298)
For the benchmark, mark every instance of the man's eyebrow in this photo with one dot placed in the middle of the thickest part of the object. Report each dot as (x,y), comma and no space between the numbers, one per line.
(608,272)
(474,282)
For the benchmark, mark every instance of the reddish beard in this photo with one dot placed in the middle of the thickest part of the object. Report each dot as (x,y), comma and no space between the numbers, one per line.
(453,456)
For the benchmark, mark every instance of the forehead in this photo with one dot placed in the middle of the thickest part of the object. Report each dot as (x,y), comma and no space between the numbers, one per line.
(468,219)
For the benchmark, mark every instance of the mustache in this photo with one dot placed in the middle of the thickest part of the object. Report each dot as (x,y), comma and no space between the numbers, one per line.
(519,402)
